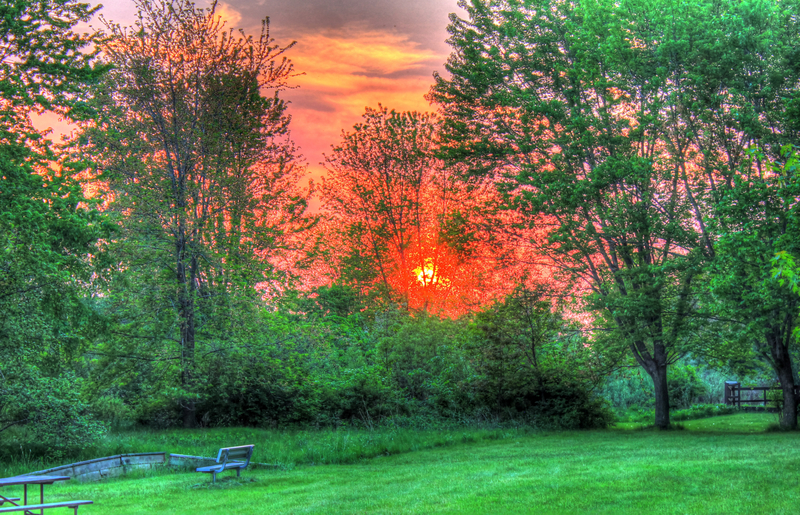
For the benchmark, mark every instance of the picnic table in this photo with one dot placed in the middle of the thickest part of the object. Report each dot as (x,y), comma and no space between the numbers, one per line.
(29,509)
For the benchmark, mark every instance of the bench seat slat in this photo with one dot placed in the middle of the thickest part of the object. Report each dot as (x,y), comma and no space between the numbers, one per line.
(220,468)
(12,499)
(65,504)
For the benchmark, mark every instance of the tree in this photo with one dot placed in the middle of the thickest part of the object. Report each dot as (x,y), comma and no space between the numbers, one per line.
(597,116)
(407,229)
(734,74)
(49,253)
(760,214)
(530,359)
(200,168)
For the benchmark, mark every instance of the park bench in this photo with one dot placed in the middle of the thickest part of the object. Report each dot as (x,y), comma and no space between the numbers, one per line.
(229,458)
(30,507)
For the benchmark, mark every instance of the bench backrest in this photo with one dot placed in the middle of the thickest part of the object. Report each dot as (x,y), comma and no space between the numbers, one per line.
(240,453)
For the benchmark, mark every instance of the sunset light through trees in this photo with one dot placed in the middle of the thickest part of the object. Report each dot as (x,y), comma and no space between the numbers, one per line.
(375,214)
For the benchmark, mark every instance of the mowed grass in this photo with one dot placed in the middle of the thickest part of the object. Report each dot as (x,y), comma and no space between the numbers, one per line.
(716,465)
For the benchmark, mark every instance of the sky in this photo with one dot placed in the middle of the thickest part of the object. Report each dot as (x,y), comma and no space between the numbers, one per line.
(352,54)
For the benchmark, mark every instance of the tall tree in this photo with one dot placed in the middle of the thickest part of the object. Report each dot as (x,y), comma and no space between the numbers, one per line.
(598,116)
(760,213)
(406,225)
(48,234)
(202,172)
(732,72)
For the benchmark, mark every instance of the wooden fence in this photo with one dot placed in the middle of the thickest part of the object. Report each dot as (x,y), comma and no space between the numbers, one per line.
(752,396)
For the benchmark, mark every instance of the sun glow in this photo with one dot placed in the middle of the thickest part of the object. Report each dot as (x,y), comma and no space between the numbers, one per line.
(426,274)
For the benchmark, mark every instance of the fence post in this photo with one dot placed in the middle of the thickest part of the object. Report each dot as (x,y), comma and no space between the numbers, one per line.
(730,393)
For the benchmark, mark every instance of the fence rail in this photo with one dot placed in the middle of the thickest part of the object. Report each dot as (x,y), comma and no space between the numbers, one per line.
(733,394)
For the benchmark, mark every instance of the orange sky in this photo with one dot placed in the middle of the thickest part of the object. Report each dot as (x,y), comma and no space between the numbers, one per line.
(353,53)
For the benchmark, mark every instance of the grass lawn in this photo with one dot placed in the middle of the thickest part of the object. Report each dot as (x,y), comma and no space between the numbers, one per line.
(716,465)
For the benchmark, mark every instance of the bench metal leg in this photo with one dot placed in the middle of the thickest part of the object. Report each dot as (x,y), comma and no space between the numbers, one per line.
(238,472)
(213,477)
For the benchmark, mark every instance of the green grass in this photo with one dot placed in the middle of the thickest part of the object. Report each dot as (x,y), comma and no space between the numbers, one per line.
(738,423)
(717,465)
(282,449)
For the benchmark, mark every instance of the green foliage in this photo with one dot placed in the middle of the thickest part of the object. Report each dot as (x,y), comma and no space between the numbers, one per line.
(529,363)
(46,66)
(685,387)
(205,183)
(50,256)
(785,271)
(425,361)
(113,412)
(394,370)
(762,230)
(627,390)
(603,122)
(688,385)
(51,410)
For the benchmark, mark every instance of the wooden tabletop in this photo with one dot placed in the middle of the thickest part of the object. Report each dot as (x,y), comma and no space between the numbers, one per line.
(31,480)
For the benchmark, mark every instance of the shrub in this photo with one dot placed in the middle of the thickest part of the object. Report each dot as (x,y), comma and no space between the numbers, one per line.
(114,412)
(424,360)
(51,410)
(685,387)
(551,398)
(256,390)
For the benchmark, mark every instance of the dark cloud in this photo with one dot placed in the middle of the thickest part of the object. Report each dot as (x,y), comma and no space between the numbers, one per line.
(416,71)
(353,53)
(310,100)
(422,21)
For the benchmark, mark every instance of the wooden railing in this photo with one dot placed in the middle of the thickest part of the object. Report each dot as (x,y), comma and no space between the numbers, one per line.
(733,395)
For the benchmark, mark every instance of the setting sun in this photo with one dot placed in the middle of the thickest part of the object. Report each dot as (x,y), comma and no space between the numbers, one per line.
(426,274)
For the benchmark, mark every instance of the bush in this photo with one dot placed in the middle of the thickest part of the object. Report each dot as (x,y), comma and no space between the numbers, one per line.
(685,387)
(425,360)
(550,398)
(51,411)
(256,390)
(362,396)
(113,412)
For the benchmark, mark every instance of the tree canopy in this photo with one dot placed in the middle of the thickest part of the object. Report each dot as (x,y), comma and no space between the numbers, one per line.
(196,155)
(618,125)
(49,232)
(609,188)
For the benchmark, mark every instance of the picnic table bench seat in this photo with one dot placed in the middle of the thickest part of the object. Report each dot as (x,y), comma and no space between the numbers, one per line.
(229,458)
(31,507)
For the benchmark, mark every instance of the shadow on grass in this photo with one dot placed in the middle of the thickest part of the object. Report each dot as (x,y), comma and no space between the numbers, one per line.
(223,483)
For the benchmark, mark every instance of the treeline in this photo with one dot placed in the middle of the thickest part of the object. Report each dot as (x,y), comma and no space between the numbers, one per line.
(606,185)
(332,366)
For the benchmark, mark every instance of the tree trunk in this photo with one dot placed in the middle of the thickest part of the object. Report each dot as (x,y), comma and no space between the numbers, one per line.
(186,315)
(782,362)
(656,367)
(662,396)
